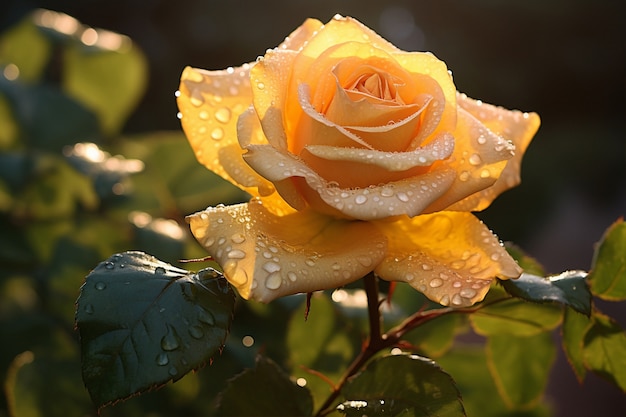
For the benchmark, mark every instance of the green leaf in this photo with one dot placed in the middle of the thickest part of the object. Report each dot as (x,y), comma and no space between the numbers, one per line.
(143,322)
(605,349)
(520,367)
(568,288)
(26,47)
(526,262)
(109,77)
(608,273)
(407,385)
(330,350)
(515,317)
(468,364)
(573,331)
(264,391)
(436,336)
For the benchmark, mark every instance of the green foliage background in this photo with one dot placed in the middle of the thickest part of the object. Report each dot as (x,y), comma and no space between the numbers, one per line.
(65,207)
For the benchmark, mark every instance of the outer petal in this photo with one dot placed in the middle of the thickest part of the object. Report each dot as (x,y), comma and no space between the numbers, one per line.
(210,103)
(409,196)
(479,157)
(264,259)
(513,125)
(451,257)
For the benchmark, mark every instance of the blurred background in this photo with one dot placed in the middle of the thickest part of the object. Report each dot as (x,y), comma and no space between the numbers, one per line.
(564,59)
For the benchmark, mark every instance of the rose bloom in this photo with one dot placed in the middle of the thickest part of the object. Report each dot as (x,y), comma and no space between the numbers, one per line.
(359,157)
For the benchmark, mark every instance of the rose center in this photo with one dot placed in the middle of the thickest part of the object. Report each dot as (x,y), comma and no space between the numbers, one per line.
(372,85)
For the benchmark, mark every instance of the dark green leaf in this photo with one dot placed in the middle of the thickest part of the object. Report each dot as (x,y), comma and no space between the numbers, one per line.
(264,391)
(605,349)
(520,367)
(515,317)
(49,119)
(406,385)
(574,327)
(36,383)
(608,273)
(568,288)
(143,322)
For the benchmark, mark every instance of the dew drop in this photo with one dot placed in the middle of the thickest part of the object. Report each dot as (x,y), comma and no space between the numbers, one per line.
(217,133)
(159,270)
(386,192)
(206,317)
(162,359)
(204,115)
(238,238)
(196,100)
(109,265)
(236,254)
(360,199)
(170,341)
(485,173)
(364,260)
(89,309)
(467,293)
(100,285)
(457,300)
(475,159)
(274,281)
(172,371)
(196,332)
(464,176)
(495,256)
(435,283)
(402,197)
(260,85)
(292,276)
(445,300)
(271,267)
(223,115)
(481,140)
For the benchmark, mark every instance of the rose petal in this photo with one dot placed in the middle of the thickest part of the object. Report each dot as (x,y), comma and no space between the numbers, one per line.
(438,149)
(451,257)
(513,125)
(409,196)
(210,103)
(264,259)
(299,37)
(425,63)
(479,157)
(344,29)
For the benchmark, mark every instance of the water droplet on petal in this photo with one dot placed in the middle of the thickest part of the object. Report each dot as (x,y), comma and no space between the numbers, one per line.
(238,238)
(445,300)
(217,133)
(475,159)
(364,260)
(204,115)
(436,282)
(236,254)
(260,86)
(162,359)
(467,293)
(274,281)
(457,300)
(292,276)
(360,199)
(100,285)
(223,115)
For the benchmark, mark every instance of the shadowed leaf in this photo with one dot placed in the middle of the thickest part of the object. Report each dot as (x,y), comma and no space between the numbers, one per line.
(402,385)
(608,273)
(143,322)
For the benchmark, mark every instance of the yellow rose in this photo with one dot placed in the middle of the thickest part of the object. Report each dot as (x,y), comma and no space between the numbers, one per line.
(360,157)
